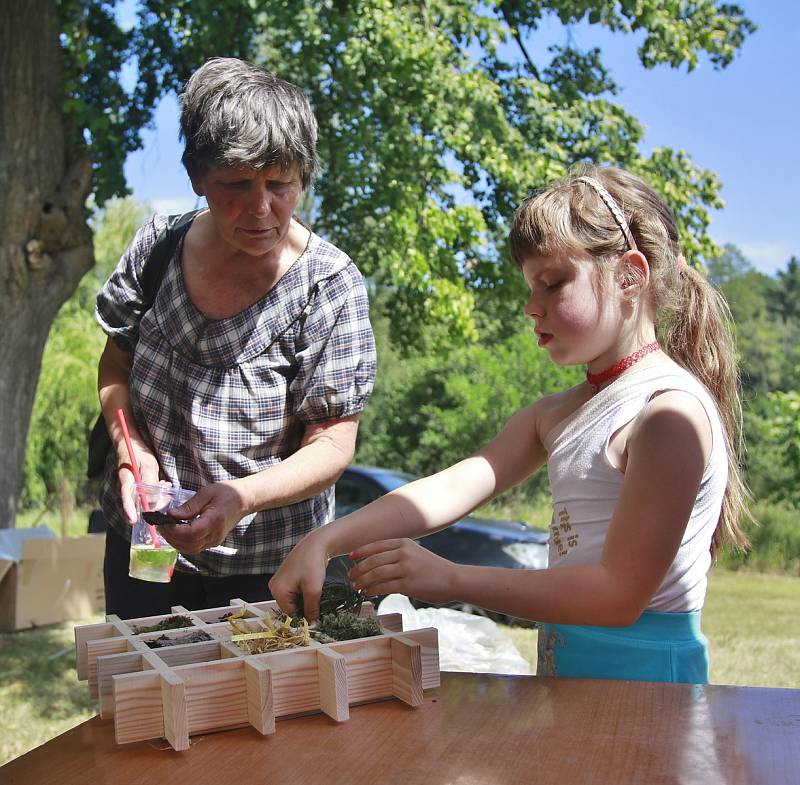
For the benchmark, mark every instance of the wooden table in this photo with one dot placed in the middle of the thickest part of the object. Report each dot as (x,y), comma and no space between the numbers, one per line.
(475,730)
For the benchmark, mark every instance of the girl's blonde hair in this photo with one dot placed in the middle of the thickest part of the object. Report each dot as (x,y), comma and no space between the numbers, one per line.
(693,320)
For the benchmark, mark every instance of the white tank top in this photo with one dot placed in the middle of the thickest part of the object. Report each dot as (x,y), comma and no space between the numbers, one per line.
(585,485)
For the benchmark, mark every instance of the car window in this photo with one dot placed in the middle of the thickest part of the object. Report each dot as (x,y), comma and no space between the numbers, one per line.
(352,493)
(391,481)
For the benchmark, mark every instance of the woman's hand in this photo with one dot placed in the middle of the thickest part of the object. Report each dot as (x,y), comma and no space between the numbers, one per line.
(213,511)
(302,575)
(403,567)
(148,470)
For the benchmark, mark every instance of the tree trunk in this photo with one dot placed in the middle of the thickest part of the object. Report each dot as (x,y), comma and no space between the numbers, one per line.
(45,247)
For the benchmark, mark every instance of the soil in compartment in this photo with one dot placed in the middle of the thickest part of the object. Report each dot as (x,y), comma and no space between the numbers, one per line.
(196,636)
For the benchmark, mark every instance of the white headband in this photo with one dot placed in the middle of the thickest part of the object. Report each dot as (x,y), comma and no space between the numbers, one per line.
(613,206)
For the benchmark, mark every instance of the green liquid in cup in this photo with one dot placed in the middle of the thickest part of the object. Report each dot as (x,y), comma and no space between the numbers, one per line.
(152,564)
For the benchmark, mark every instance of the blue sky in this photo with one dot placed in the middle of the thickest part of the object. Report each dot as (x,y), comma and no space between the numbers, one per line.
(742,122)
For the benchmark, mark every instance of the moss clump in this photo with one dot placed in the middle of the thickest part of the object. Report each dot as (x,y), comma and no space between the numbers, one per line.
(346,626)
(170,623)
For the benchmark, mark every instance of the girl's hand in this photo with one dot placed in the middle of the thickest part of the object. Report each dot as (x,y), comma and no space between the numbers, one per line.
(302,575)
(213,511)
(148,470)
(403,567)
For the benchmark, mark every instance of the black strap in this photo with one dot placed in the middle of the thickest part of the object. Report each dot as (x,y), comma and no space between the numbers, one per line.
(162,251)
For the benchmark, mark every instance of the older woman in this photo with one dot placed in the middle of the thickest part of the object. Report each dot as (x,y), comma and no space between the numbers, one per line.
(245,379)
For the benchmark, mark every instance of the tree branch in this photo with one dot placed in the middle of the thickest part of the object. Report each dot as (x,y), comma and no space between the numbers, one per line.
(518,38)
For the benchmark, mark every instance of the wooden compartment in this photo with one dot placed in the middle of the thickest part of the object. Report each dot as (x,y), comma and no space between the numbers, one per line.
(184,689)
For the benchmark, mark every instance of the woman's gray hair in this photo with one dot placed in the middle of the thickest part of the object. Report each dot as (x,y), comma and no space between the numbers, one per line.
(234,113)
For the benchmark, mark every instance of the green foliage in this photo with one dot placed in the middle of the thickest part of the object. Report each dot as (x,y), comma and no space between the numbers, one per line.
(775,541)
(784,430)
(345,626)
(114,226)
(430,411)
(767,325)
(434,121)
(786,296)
(767,342)
(675,31)
(535,509)
(64,408)
(772,435)
(66,402)
(95,51)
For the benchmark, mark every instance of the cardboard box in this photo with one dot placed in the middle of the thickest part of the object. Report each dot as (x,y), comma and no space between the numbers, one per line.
(50,580)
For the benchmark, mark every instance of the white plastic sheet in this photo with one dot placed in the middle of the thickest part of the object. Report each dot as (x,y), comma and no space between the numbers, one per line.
(466,642)
(11,540)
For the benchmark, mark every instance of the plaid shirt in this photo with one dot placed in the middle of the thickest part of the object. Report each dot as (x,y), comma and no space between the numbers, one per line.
(222,399)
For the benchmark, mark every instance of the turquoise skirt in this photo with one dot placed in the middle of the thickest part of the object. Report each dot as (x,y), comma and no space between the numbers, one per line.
(657,647)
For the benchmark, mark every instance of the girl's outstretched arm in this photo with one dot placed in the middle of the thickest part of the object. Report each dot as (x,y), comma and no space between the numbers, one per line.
(421,507)
(666,454)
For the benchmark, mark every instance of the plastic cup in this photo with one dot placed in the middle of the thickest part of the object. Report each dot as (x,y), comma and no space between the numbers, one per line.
(152,557)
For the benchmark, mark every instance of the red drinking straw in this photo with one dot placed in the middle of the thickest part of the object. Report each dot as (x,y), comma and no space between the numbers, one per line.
(136,476)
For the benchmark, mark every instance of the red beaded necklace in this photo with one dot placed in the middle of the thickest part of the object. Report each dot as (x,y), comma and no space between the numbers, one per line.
(596,379)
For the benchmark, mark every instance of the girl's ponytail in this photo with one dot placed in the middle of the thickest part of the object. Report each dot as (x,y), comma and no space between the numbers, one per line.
(699,337)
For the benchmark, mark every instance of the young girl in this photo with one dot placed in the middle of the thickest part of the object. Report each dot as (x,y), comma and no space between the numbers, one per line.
(642,456)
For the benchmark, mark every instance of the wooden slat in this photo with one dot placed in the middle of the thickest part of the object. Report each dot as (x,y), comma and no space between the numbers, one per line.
(407,670)
(138,713)
(185,654)
(391,621)
(367,610)
(127,627)
(214,615)
(295,680)
(175,711)
(99,648)
(188,653)
(216,695)
(369,668)
(109,666)
(228,649)
(83,634)
(257,608)
(332,674)
(428,639)
(260,704)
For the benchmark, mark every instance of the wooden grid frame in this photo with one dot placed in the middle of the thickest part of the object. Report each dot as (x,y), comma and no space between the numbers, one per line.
(177,691)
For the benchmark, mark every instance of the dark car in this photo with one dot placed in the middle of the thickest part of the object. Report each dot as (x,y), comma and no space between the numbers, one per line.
(471,540)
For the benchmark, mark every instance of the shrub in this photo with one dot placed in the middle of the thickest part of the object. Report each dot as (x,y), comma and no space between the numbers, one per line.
(430,411)
(775,541)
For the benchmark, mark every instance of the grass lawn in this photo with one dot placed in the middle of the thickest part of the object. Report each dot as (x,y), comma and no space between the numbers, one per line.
(76,523)
(750,619)
(40,695)
(752,622)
